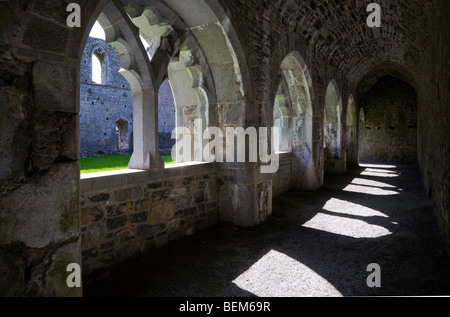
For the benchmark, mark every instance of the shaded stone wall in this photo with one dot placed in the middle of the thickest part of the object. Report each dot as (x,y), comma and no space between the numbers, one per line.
(124,215)
(282,180)
(433,88)
(388,129)
(39,178)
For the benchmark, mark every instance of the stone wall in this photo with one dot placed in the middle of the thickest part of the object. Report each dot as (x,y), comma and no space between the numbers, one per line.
(102,105)
(166,118)
(433,89)
(282,180)
(388,127)
(130,213)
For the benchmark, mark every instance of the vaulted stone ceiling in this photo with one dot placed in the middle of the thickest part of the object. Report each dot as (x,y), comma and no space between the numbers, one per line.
(337,29)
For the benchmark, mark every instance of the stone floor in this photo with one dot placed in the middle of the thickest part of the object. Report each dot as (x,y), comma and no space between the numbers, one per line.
(315,244)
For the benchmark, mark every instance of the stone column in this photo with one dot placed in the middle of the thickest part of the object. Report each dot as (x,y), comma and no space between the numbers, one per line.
(145,124)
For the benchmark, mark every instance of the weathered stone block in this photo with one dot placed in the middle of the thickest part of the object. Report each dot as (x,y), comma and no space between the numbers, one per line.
(51,10)
(201,185)
(99,198)
(190,211)
(211,191)
(90,253)
(174,225)
(124,235)
(199,197)
(143,205)
(54,86)
(149,230)
(128,194)
(161,213)
(115,223)
(90,215)
(121,209)
(107,245)
(154,185)
(160,195)
(140,217)
(187,180)
(53,215)
(179,213)
(42,34)
(95,232)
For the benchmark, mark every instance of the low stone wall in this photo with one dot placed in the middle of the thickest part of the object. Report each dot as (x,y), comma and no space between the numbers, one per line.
(131,212)
(283,179)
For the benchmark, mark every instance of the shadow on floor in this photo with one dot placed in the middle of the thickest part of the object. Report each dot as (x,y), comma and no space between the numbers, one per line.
(315,244)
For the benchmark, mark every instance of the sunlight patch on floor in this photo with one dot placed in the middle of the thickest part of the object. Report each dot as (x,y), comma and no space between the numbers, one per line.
(347,208)
(346,226)
(369,190)
(379,173)
(371,183)
(278,275)
(386,166)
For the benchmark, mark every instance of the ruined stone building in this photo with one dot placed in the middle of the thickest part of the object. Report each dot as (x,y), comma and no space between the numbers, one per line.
(340,91)
(106,105)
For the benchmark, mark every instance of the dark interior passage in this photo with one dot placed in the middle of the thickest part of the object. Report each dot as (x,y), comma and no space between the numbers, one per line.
(388,123)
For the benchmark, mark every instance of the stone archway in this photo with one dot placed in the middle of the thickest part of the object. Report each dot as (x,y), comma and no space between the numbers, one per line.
(49,169)
(334,157)
(300,93)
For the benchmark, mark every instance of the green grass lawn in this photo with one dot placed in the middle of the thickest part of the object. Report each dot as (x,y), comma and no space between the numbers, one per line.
(106,163)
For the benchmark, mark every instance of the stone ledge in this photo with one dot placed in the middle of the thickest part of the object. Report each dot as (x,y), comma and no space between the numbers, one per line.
(106,180)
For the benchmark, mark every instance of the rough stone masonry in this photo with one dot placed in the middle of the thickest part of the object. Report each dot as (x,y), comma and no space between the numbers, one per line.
(231,56)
